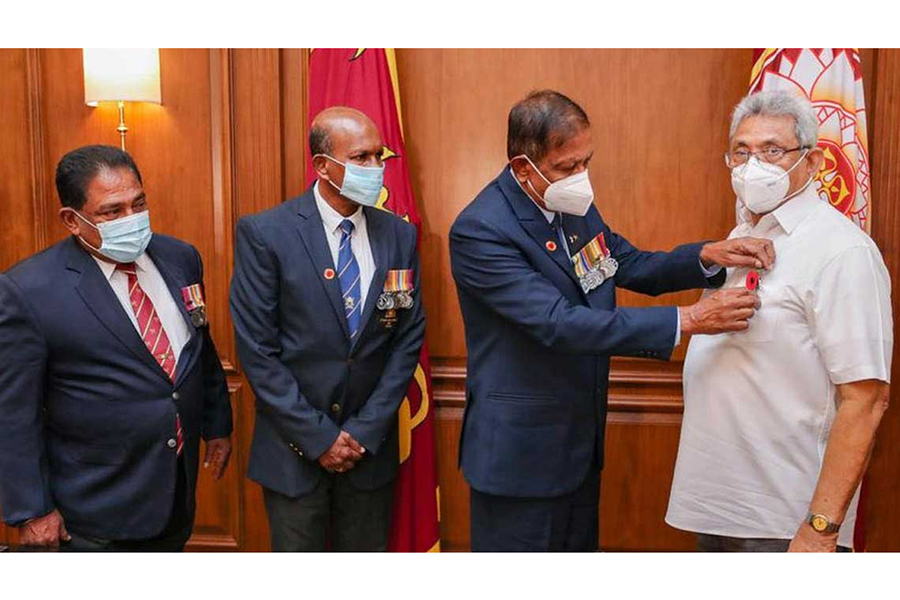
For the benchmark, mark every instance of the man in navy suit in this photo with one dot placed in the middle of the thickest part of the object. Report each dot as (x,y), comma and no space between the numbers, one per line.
(109,375)
(329,323)
(536,269)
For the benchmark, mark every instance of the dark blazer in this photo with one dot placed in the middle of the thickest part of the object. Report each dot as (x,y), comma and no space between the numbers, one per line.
(310,381)
(539,347)
(86,412)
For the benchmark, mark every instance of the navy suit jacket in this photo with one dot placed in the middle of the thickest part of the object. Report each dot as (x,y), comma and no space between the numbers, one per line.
(310,380)
(86,412)
(539,346)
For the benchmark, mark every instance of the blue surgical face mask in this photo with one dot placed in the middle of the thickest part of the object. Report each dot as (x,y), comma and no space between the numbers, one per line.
(125,239)
(361,184)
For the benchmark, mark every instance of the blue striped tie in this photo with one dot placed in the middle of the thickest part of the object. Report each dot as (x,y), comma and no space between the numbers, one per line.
(348,275)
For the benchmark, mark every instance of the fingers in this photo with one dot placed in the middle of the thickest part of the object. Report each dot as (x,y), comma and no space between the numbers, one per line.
(208,455)
(761,251)
(63,533)
(356,446)
(221,462)
(751,261)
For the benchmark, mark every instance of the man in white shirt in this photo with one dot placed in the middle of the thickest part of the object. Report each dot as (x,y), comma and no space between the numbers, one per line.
(780,419)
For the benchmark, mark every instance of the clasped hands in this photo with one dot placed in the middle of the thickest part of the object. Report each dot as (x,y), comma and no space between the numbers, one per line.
(343,455)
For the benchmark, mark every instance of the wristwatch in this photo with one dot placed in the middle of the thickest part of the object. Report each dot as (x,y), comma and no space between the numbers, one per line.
(821,523)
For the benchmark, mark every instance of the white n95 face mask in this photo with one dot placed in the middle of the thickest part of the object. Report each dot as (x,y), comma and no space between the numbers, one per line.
(572,195)
(761,186)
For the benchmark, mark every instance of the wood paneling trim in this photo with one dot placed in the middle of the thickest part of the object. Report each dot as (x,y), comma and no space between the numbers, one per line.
(38,157)
(294,68)
(636,385)
(222,149)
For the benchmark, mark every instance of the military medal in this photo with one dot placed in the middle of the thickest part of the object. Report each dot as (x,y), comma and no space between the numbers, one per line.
(593,264)
(195,304)
(397,293)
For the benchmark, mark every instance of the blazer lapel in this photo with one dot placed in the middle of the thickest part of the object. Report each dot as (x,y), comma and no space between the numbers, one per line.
(100,299)
(312,233)
(535,224)
(175,279)
(377,229)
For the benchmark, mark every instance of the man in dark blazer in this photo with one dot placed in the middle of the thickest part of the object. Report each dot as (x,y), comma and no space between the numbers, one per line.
(329,323)
(108,374)
(536,269)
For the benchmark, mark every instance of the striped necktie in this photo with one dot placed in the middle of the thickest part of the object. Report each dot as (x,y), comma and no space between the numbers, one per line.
(348,275)
(153,334)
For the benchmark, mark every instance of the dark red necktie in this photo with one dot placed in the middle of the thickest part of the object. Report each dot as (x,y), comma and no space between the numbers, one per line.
(152,333)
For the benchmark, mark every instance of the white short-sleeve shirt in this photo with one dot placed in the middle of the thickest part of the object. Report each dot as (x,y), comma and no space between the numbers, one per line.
(759,404)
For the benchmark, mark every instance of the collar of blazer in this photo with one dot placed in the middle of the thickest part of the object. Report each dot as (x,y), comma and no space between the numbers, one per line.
(312,233)
(100,299)
(535,224)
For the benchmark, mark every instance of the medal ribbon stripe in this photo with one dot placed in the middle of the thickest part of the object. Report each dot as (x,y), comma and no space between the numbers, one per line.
(193,297)
(399,280)
(589,257)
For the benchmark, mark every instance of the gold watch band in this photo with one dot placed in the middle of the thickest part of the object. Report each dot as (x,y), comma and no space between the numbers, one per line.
(821,523)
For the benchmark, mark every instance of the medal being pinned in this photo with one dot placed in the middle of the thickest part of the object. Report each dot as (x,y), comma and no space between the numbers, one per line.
(195,304)
(594,264)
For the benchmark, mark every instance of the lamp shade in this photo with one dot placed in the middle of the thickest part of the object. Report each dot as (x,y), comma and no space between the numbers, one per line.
(121,74)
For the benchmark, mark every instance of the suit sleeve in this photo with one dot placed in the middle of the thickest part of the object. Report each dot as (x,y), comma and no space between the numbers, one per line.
(370,424)
(254,309)
(490,268)
(655,273)
(217,418)
(24,480)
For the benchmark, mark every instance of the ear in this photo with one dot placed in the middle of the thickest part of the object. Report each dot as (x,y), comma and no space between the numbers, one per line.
(521,169)
(320,166)
(816,158)
(71,222)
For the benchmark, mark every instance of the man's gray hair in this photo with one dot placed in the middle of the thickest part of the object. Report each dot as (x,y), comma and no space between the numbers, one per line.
(780,103)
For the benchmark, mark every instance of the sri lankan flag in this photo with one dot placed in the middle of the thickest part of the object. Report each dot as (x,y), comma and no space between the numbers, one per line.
(366,79)
(832,80)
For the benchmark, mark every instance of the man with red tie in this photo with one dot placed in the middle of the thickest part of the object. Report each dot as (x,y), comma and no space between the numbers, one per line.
(109,375)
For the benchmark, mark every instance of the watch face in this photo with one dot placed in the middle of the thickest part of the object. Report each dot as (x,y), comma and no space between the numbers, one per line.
(819,523)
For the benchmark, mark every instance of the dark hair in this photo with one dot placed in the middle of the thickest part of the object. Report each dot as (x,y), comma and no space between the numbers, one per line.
(543,120)
(78,168)
(319,140)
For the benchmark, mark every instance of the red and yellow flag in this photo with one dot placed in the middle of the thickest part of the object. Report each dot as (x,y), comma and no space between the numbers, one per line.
(832,80)
(366,79)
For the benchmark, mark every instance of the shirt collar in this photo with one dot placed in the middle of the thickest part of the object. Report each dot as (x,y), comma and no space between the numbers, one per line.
(332,218)
(548,214)
(794,211)
(108,268)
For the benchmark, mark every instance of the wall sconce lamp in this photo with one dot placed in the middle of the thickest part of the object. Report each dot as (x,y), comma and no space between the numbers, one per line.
(121,75)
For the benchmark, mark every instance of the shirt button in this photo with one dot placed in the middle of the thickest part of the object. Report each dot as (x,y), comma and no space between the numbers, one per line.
(176,396)
(171,443)
(335,408)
